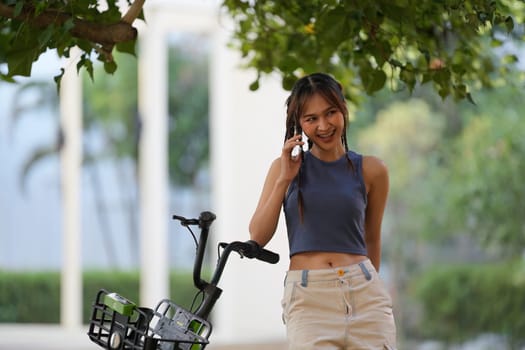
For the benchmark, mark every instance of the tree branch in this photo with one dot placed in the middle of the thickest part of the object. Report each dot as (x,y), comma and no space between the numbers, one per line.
(104,34)
(133,11)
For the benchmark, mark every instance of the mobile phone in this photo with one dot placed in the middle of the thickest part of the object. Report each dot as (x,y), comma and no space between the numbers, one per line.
(304,138)
(296,150)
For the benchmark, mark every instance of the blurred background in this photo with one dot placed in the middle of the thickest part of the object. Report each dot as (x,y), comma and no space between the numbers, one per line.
(454,227)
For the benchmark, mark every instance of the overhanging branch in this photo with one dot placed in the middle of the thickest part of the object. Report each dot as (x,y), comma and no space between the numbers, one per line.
(104,34)
(133,11)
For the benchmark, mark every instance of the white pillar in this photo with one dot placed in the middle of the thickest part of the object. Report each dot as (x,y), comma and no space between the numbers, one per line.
(247,135)
(153,168)
(70,167)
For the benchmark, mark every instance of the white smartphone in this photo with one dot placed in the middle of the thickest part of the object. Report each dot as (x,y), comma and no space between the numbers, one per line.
(297,148)
(304,138)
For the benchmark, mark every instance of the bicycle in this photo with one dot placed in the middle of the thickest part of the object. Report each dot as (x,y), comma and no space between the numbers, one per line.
(119,324)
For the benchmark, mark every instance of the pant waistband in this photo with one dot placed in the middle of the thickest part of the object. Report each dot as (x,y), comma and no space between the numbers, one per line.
(364,267)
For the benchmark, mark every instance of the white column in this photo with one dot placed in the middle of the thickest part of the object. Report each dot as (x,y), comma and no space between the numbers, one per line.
(153,159)
(247,135)
(70,167)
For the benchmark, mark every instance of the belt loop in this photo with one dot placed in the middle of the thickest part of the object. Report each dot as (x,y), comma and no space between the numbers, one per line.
(367,274)
(304,278)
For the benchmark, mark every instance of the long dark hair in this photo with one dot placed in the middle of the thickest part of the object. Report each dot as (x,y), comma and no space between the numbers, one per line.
(304,88)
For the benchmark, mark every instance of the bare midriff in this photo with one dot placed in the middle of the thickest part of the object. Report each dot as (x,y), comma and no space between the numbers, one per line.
(323,260)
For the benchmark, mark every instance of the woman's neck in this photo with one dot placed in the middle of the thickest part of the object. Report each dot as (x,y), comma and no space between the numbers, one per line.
(328,155)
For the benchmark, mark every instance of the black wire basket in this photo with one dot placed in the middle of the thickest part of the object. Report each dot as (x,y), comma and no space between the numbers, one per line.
(117,324)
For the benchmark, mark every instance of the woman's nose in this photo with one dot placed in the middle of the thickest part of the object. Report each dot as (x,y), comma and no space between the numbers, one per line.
(323,124)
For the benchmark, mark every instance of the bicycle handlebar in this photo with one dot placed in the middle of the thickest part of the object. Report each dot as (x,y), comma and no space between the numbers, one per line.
(252,250)
(204,221)
(249,249)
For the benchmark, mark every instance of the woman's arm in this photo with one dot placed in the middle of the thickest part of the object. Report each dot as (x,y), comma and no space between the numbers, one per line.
(375,174)
(282,171)
(266,217)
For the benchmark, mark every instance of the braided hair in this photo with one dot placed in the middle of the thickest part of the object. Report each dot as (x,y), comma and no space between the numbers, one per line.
(332,91)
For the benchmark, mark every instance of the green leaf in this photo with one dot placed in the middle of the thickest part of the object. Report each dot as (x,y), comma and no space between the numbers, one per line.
(458,68)
(444,92)
(58,78)
(288,82)
(89,68)
(470,99)
(442,78)
(45,35)
(84,45)
(331,30)
(408,76)
(127,47)
(373,80)
(21,61)
(460,91)
(110,67)
(85,62)
(288,64)
(40,7)
(509,59)
(7,78)
(255,85)
(68,25)
(496,42)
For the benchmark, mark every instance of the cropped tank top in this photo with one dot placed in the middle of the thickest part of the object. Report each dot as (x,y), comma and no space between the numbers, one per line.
(334,203)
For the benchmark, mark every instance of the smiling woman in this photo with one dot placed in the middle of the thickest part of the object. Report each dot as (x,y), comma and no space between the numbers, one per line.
(333,200)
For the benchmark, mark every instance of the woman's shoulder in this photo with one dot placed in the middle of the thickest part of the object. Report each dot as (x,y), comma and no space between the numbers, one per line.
(374,168)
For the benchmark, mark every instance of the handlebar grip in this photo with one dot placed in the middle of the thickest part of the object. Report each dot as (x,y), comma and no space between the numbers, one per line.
(254,250)
(268,256)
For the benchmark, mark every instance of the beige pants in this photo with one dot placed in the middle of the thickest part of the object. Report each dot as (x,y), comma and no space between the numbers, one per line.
(341,308)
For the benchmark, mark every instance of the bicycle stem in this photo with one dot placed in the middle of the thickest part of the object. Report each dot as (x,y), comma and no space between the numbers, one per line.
(205,220)
(211,291)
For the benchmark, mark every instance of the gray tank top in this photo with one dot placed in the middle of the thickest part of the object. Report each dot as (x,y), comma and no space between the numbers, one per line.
(334,203)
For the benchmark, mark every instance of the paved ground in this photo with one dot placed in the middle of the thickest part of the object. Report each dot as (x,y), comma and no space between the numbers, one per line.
(52,337)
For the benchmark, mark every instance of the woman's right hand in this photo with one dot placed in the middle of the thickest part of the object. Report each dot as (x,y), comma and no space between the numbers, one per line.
(290,165)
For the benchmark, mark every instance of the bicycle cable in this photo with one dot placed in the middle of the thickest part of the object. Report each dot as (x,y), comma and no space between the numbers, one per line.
(194,307)
(194,237)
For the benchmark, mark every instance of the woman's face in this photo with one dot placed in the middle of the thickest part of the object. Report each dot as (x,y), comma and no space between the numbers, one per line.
(323,123)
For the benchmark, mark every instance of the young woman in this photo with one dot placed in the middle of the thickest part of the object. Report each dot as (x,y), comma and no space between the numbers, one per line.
(333,200)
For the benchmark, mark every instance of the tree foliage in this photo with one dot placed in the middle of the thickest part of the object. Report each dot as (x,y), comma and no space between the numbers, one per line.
(455,199)
(452,299)
(367,44)
(29,28)
(488,171)
(372,44)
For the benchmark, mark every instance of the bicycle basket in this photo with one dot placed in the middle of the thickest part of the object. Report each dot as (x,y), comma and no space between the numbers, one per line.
(175,328)
(117,324)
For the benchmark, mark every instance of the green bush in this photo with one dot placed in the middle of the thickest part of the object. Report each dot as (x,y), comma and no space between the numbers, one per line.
(29,297)
(34,297)
(464,301)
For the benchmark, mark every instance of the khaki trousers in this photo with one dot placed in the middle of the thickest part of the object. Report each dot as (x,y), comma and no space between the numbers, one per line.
(342,308)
